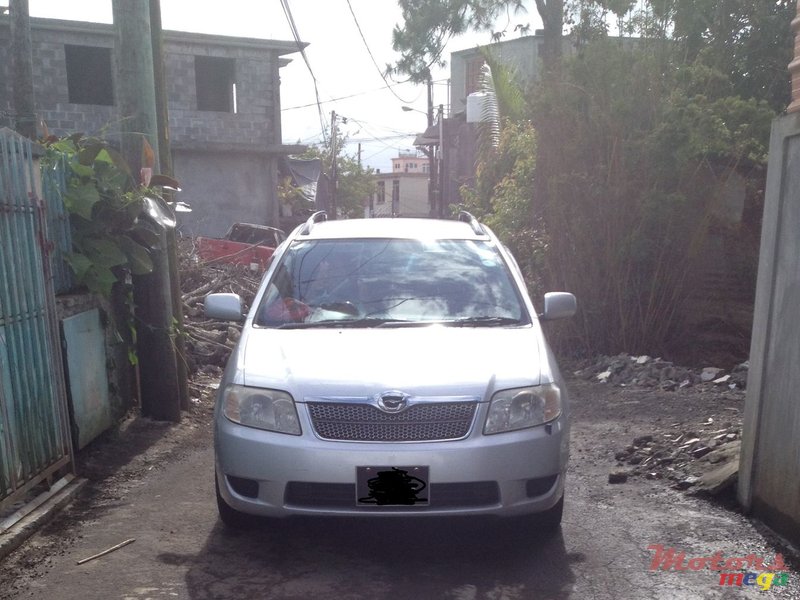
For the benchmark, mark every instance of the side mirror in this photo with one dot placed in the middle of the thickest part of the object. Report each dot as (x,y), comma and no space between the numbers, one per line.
(226,307)
(558,305)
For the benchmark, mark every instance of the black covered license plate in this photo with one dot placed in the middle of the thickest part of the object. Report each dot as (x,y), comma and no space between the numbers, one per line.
(392,486)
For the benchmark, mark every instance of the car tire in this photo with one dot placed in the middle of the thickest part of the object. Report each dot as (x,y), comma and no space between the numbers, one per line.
(229,516)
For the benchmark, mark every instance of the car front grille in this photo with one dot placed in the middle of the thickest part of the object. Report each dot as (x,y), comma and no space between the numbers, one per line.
(418,423)
(476,494)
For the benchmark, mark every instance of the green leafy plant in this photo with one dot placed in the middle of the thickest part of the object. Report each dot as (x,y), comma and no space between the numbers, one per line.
(110,240)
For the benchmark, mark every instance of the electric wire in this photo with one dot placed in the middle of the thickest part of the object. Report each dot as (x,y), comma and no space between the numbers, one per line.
(374,62)
(293,27)
(354,95)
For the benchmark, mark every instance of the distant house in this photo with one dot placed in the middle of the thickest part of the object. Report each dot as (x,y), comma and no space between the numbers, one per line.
(224,111)
(404,191)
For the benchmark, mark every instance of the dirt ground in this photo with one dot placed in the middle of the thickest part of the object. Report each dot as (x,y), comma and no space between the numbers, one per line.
(610,425)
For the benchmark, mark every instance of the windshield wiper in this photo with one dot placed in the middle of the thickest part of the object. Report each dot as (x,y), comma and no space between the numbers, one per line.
(364,322)
(482,321)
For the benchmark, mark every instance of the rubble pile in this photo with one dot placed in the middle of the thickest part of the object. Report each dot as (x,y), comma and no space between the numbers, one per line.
(705,459)
(644,371)
(209,342)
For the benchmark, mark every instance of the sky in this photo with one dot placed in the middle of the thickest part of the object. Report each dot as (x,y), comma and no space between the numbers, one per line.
(347,79)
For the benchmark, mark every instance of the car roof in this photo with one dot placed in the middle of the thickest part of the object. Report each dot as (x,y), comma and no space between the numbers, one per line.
(404,228)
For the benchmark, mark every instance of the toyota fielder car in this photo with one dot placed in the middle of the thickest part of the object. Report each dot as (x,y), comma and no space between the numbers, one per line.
(391,367)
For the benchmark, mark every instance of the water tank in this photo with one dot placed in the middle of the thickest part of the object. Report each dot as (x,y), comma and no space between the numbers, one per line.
(478,107)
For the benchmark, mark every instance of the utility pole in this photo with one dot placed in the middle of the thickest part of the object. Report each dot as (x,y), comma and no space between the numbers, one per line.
(165,165)
(334,174)
(152,293)
(135,82)
(442,180)
(430,152)
(22,70)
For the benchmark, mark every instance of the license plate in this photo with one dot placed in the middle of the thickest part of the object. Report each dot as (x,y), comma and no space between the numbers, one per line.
(392,486)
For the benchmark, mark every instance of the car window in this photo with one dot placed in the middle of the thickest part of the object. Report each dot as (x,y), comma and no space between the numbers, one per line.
(401,281)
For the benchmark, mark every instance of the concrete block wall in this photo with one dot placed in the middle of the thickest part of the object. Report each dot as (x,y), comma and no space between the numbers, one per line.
(254,127)
(224,161)
(50,79)
(257,80)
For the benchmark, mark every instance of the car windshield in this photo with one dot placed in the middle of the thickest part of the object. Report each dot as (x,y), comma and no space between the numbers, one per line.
(380,282)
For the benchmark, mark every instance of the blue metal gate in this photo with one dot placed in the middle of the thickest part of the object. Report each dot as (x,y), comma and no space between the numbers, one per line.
(34,431)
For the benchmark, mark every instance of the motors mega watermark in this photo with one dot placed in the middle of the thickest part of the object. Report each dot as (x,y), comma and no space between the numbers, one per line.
(750,570)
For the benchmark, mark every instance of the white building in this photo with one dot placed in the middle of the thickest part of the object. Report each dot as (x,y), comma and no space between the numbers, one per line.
(404,191)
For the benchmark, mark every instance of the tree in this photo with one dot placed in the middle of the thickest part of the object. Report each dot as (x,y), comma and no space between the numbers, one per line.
(631,145)
(354,182)
(429,24)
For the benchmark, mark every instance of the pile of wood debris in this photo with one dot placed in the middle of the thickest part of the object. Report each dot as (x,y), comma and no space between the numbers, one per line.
(209,342)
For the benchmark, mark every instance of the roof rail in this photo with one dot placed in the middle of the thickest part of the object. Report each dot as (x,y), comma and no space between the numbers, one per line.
(317,217)
(467,217)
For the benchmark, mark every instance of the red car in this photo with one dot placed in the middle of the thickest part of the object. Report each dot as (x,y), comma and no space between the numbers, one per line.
(244,244)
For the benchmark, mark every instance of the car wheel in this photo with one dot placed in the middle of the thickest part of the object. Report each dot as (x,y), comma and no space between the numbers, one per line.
(229,516)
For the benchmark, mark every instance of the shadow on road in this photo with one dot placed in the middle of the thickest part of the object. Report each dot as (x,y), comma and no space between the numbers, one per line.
(461,559)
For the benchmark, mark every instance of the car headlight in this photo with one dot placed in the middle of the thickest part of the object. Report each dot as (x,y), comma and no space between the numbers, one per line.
(272,410)
(523,407)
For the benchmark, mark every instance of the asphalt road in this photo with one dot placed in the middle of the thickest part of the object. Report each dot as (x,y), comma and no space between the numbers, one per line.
(182,550)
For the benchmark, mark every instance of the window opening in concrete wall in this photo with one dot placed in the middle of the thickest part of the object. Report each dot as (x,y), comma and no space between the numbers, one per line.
(215,79)
(89,79)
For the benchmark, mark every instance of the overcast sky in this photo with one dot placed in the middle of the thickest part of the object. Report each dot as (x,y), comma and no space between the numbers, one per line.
(347,79)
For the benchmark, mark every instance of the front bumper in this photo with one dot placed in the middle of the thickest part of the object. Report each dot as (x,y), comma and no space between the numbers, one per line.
(277,475)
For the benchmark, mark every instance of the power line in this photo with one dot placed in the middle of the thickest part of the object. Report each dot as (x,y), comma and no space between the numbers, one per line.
(366,125)
(398,136)
(374,62)
(293,27)
(340,98)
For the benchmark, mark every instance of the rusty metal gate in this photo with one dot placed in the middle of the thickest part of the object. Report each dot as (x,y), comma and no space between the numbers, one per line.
(34,432)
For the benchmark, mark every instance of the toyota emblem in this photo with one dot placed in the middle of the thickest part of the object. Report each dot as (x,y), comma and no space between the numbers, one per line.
(392,402)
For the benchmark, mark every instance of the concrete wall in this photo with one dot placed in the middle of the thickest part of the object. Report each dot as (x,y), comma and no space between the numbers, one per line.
(521,55)
(253,126)
(225,161)
(50,77)
(223,189)
(769,474)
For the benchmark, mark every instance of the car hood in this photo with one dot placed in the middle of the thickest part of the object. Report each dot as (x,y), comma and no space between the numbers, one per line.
(421,361)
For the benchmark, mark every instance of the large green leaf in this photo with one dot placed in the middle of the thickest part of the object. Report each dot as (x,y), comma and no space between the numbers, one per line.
(139,259)
(104,156)
(81,170)
(104,252)
(89,152)
(100,280)
(79,265)
(81,198)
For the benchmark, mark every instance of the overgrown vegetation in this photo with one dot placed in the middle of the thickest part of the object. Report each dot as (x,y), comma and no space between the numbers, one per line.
(354,181)
(613,179)
(110,240)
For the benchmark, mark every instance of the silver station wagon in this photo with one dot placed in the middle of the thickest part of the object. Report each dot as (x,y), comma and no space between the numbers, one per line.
(392,367)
